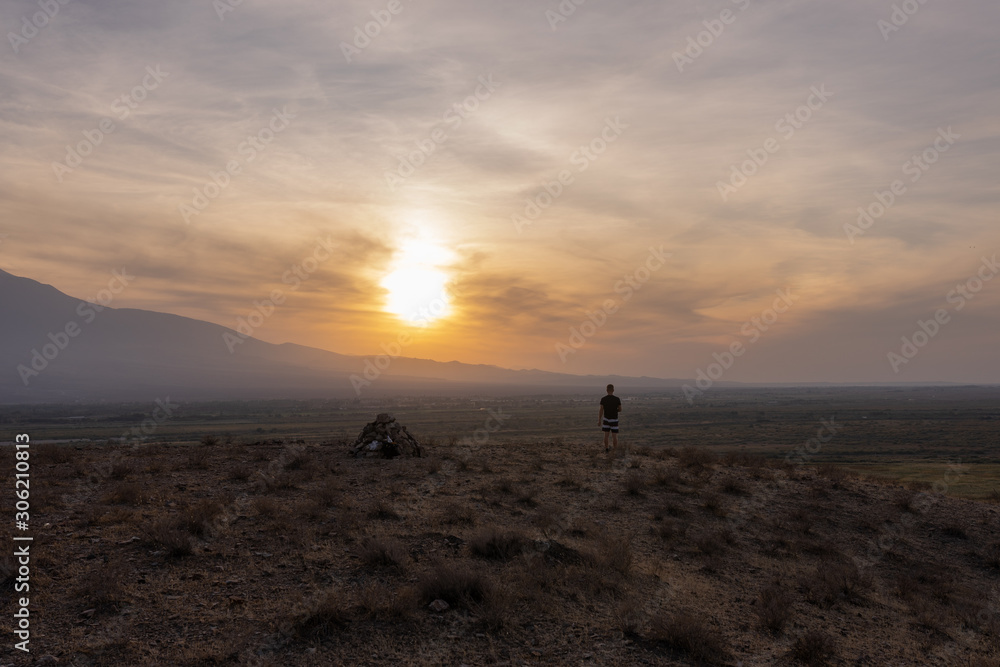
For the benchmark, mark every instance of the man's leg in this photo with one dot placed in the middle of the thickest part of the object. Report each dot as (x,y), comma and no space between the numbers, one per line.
(614,439)
(605,441)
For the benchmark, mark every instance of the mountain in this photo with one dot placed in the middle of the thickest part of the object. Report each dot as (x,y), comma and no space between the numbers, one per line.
(57,348)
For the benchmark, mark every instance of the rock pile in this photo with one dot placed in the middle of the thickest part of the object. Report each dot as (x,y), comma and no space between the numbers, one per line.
(385,438)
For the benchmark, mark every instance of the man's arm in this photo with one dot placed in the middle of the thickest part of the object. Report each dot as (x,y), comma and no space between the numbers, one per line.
(600,416)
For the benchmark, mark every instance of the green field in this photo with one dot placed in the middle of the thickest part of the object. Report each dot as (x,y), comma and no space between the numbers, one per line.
(943,436)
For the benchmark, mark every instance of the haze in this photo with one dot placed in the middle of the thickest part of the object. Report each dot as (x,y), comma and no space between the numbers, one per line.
(514,174)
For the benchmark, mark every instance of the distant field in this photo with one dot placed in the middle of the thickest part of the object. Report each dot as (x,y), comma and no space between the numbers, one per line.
(938,435)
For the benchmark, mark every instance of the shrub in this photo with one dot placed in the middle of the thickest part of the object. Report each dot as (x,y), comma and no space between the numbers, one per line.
(955,529)
(689,632)
(266,507)
(383,511)
(295,459)
(240,472)
(614,552)
(329,494)
(317,619)
(669,530)
(774,608)
(833,581)
(209,440)
(496,544)
(198,457)
(712,502)
(711,543)
(198,518)
(814,648)
(734,486)
(454,513)
(103,587)
(527,496)
(379,602)
(456,584)
(166,534)
(496,609)
(667,477)
(635,483)
(126,493)
(120,469)
(383,552)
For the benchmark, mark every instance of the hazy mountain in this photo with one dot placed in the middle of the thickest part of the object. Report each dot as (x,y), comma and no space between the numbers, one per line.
(54,347)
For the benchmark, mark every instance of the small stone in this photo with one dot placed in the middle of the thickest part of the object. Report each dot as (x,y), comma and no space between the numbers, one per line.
(439,606)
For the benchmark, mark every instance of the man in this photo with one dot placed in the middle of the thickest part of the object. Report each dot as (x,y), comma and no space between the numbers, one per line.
(611,405)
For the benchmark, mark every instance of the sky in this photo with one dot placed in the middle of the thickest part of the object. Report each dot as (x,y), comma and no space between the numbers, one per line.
(744,190)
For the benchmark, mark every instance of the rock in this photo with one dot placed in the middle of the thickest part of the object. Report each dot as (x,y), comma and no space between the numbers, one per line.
(439,606)
(385,438)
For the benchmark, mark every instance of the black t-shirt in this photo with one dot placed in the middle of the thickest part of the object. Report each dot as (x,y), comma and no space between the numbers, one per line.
(611,405)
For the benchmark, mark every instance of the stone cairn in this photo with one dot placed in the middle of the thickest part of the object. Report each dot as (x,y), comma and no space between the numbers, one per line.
(385,438)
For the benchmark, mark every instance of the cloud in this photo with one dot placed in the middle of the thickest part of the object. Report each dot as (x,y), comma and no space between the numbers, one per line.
(325,173)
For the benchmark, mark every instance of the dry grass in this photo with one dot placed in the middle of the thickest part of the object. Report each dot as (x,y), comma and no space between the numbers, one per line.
(582,573)
(124,493)
(688,632)
(774,608)
(496,544)
(814,647)
(103,587)
(383,552)
(320,616)
(457,584)
(169,537)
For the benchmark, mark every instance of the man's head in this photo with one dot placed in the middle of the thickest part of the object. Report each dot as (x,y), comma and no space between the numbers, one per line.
(611,389)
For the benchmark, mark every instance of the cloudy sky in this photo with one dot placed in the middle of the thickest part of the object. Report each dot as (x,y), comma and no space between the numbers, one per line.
(510,167)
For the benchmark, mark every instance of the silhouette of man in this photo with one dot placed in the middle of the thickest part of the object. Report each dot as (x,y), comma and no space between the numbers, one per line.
(611,405)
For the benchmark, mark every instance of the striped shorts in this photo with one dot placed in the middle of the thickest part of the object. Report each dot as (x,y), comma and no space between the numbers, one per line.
(609,425)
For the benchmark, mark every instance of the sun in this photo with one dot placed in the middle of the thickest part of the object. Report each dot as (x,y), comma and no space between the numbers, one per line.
(417,284)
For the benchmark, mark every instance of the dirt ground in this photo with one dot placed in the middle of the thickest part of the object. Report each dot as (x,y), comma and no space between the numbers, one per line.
(277,553)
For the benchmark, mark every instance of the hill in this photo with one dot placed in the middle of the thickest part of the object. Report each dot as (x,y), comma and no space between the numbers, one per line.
(57,348)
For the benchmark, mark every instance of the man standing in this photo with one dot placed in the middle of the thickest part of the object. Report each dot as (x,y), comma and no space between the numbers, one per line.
(611,405)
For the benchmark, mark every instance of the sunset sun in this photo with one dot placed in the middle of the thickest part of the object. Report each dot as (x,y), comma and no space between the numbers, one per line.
(416,284)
